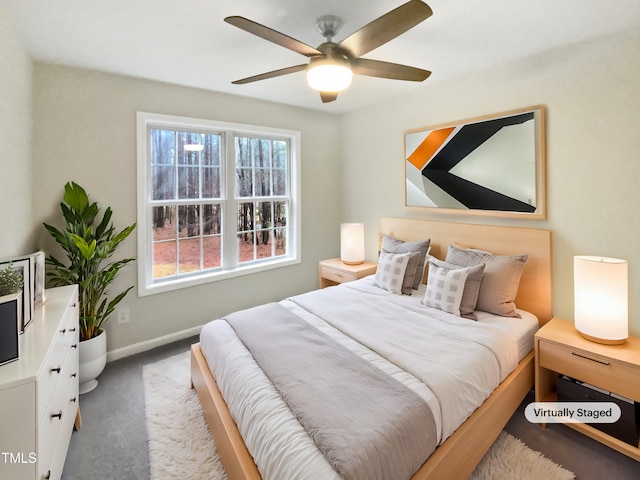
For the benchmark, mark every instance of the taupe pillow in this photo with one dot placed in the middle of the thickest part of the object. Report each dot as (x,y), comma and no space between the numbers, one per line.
(500,279)
(393,245)
(471,286)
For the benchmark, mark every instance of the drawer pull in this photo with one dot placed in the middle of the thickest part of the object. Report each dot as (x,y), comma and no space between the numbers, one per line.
(57,369)
(589,358)
(57,415)
(48,476)
(63,330)
(73,400)
(75,345)
(72,329)
(74,375)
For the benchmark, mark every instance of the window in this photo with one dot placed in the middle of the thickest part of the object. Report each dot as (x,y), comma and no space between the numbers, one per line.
(215,200)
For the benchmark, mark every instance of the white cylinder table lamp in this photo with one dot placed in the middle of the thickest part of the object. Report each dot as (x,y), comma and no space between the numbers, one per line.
(352,243)
(601,303)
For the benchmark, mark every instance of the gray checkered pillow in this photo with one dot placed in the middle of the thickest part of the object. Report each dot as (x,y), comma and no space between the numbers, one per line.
(390,272)
(445,288)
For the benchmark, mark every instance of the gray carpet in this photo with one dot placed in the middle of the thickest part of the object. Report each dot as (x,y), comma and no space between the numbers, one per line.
(112,444)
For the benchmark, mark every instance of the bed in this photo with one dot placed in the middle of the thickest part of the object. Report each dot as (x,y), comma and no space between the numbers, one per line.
(460,452)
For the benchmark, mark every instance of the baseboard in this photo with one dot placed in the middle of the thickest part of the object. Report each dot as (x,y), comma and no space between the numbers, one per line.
(140,347)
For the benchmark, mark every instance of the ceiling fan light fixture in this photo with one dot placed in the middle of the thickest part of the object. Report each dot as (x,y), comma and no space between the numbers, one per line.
(328,76)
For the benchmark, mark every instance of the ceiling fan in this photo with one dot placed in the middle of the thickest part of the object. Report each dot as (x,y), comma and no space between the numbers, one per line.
(331,64)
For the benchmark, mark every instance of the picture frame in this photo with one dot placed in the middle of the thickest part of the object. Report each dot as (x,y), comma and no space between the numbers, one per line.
(492,165)
(39,279)
(10,321)
(25,265)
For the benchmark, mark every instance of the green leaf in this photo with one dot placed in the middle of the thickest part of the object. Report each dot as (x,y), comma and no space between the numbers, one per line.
(87,249)
(75,196)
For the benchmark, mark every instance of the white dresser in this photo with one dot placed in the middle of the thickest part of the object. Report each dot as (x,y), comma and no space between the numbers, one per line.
(39,392)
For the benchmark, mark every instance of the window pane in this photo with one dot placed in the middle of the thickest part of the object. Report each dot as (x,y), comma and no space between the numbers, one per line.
(164,259)
(211,182)
(245,217)
(263,215)
(163,147)
(244,182)
(280,213)
(164,223)
(163,182)
(189,255)
(280,241)
(262,153)
(211,219)
(188,221)
(188,182)
(279,154)
(246,250)
(279,181)
(243,152)
(189,155)
(263,182)
(212,251)
(162,164)
(211,152)
(264,244)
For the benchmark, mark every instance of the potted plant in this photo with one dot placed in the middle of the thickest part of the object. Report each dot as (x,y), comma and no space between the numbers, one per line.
(11,280)
(89,245)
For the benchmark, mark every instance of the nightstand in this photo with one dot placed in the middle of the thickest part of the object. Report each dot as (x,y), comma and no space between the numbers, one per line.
(560,349)
(333,271)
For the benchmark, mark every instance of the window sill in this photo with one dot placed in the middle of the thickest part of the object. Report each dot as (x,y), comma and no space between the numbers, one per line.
(201,279)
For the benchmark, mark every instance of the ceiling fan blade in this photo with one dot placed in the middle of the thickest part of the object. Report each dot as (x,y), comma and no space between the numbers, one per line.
(376,68)
(386,27)
(272,36)
(328,96)
(272,74)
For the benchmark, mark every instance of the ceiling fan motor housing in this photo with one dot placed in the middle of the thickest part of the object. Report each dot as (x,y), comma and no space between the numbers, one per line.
(328,26)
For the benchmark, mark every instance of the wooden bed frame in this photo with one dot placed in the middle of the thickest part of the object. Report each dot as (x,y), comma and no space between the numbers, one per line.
(462,451)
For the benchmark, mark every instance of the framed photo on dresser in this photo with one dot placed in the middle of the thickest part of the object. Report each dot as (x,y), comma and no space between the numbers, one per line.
(25,265)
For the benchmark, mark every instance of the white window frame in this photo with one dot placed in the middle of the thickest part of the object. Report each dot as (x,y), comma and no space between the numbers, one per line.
(146,121)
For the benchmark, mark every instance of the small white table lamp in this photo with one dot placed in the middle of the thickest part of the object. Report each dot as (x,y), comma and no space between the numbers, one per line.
(601,299)
(352,243)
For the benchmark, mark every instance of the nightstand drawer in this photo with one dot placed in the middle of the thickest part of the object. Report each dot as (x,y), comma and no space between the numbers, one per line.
(337,275)
(590,368)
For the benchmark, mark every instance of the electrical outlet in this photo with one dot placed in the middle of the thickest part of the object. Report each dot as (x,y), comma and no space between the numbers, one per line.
(123,314)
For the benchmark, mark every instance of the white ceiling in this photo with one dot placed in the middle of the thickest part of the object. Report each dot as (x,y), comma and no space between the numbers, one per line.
(187,42)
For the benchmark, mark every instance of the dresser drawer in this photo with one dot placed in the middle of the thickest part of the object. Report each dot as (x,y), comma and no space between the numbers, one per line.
(58,418)
(590,368)
(337,275)
(65,340)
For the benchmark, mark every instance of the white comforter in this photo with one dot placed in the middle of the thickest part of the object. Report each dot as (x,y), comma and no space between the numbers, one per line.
(406,348)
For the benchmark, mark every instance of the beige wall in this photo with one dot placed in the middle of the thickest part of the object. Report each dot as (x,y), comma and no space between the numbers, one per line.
(85,131)
(16,234)
(592,99)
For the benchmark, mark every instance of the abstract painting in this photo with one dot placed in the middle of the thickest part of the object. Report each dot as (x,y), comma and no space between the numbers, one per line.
(493,165)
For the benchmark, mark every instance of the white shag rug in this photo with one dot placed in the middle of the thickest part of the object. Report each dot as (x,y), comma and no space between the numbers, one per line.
(181,447)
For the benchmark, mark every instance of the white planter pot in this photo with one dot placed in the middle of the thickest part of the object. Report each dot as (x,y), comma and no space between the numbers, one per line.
(93,358)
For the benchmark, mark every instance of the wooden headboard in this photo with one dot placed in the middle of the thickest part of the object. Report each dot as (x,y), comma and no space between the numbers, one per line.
(534,292)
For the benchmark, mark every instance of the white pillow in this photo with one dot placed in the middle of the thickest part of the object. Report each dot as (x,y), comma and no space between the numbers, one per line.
(445,288)
(390,272)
